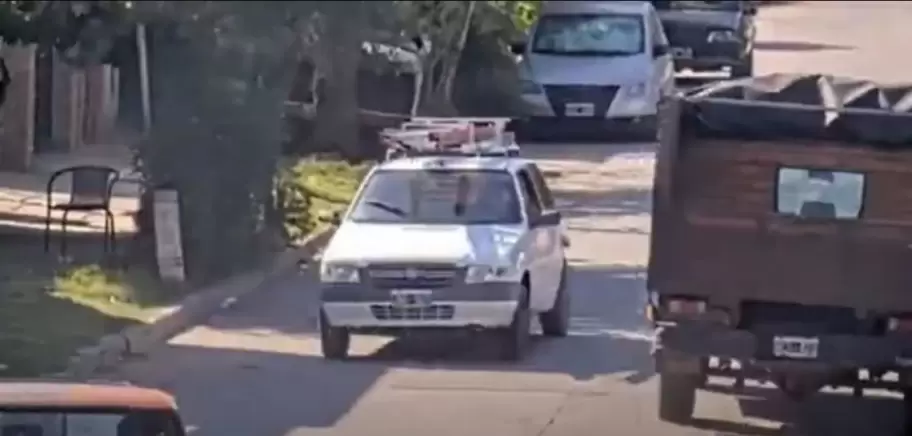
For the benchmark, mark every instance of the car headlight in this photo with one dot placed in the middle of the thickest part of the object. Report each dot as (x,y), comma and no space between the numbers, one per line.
(723,36)
(338,273)
(529,87)
(637,90)
(488,273)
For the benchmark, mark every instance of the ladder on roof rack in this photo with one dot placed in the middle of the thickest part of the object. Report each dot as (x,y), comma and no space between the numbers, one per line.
(430,136)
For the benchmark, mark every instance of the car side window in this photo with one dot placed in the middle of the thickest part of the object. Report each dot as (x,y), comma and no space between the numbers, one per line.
(530,196)
(541,187)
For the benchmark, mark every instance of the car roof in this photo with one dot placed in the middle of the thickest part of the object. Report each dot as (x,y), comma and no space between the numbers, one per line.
(66,394)
(470,163)
(595,7)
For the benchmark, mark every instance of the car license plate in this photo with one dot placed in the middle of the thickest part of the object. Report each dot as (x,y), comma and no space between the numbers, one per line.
(794,347)
(411,297)
(681,52)
(579,109)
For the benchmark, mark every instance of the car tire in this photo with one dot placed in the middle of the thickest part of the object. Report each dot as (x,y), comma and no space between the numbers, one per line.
(556,322)
(516,338)
(334,341)
(677,396)
(745,68)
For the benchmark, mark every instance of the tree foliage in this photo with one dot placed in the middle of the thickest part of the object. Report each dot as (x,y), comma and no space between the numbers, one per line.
(221,71)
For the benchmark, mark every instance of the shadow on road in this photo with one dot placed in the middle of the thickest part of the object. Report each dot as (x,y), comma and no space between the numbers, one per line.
(825,414)
(613,202)
(594,151)
(802,46)
(282,382)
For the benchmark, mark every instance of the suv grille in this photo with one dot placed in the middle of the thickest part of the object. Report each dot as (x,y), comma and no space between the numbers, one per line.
(601,97)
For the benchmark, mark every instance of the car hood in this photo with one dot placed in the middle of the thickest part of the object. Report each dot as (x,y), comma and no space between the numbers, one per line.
(477,244)
(548,69)
(708,18)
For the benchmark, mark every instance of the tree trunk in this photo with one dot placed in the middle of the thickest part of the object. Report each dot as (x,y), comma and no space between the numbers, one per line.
(336,123)
(451,66)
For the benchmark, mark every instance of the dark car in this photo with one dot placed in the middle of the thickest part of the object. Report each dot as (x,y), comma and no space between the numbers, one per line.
(710,35)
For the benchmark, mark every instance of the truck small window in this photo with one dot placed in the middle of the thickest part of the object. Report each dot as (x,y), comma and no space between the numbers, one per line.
(820,194)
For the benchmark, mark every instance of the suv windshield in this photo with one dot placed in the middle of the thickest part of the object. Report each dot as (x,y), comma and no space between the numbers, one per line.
(724,5)
(601,34)
(77,423)
(438,197)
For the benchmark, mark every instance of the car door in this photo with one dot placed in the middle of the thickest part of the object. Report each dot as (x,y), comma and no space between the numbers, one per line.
(662,66)
(536,249)
(556,234)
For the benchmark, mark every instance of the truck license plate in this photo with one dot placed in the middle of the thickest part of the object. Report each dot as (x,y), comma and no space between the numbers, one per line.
(681,52)
(406,298)
(795,347)
(579,109)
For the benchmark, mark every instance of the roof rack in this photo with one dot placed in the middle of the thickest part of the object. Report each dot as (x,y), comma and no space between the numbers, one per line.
(429,136)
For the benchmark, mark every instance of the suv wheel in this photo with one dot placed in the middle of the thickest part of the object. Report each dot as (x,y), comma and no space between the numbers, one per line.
(745,68)
(334,341)
(516,337)
(556,322)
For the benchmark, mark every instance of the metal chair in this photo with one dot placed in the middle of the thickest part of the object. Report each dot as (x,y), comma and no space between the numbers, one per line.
(90,190)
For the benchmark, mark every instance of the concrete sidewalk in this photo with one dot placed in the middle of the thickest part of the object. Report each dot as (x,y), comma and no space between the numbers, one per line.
(23,196)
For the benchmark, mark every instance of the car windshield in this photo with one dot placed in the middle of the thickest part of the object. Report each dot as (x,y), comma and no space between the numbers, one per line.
(725,5)
(602,34)
(438,197)
(76,423)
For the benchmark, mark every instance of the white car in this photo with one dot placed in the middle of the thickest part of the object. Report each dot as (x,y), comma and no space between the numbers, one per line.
(451,242)
(599,67)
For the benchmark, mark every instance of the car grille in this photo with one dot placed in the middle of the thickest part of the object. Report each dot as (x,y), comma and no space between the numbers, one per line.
(434,312)
(601,97)
(414,276)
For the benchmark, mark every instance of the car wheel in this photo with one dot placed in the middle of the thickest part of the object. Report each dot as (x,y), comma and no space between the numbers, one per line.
(516,337)
(556,322)
(334,341)
(677,396)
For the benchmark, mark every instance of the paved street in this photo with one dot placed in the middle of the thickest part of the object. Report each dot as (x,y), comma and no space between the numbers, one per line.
(255,370)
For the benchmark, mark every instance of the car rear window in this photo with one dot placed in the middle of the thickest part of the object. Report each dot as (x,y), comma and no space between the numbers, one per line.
(819,194)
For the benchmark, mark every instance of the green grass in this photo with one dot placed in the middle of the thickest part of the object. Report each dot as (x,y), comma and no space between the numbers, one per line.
(315,186)
(45,317)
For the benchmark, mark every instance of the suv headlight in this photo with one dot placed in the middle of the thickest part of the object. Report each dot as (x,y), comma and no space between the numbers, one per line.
(488,273)
(338,273)
(637,90)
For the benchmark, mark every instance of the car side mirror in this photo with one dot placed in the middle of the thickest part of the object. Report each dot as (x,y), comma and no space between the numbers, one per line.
(330,217)
(547,219)
(660,50)
(518,48)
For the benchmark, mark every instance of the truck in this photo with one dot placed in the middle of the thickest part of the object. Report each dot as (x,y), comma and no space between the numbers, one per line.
(710,35)
(781,232)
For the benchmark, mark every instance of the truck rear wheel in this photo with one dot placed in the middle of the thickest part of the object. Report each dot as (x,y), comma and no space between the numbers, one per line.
(677,396)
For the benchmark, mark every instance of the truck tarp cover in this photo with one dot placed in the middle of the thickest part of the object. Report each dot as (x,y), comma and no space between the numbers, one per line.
(717,119)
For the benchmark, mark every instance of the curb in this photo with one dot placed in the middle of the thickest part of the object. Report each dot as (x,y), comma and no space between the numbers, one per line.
(139,340)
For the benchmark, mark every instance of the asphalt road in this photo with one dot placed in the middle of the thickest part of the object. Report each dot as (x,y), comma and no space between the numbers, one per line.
(255,370)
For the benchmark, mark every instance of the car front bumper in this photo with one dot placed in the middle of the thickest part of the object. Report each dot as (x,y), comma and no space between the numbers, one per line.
(362,306)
